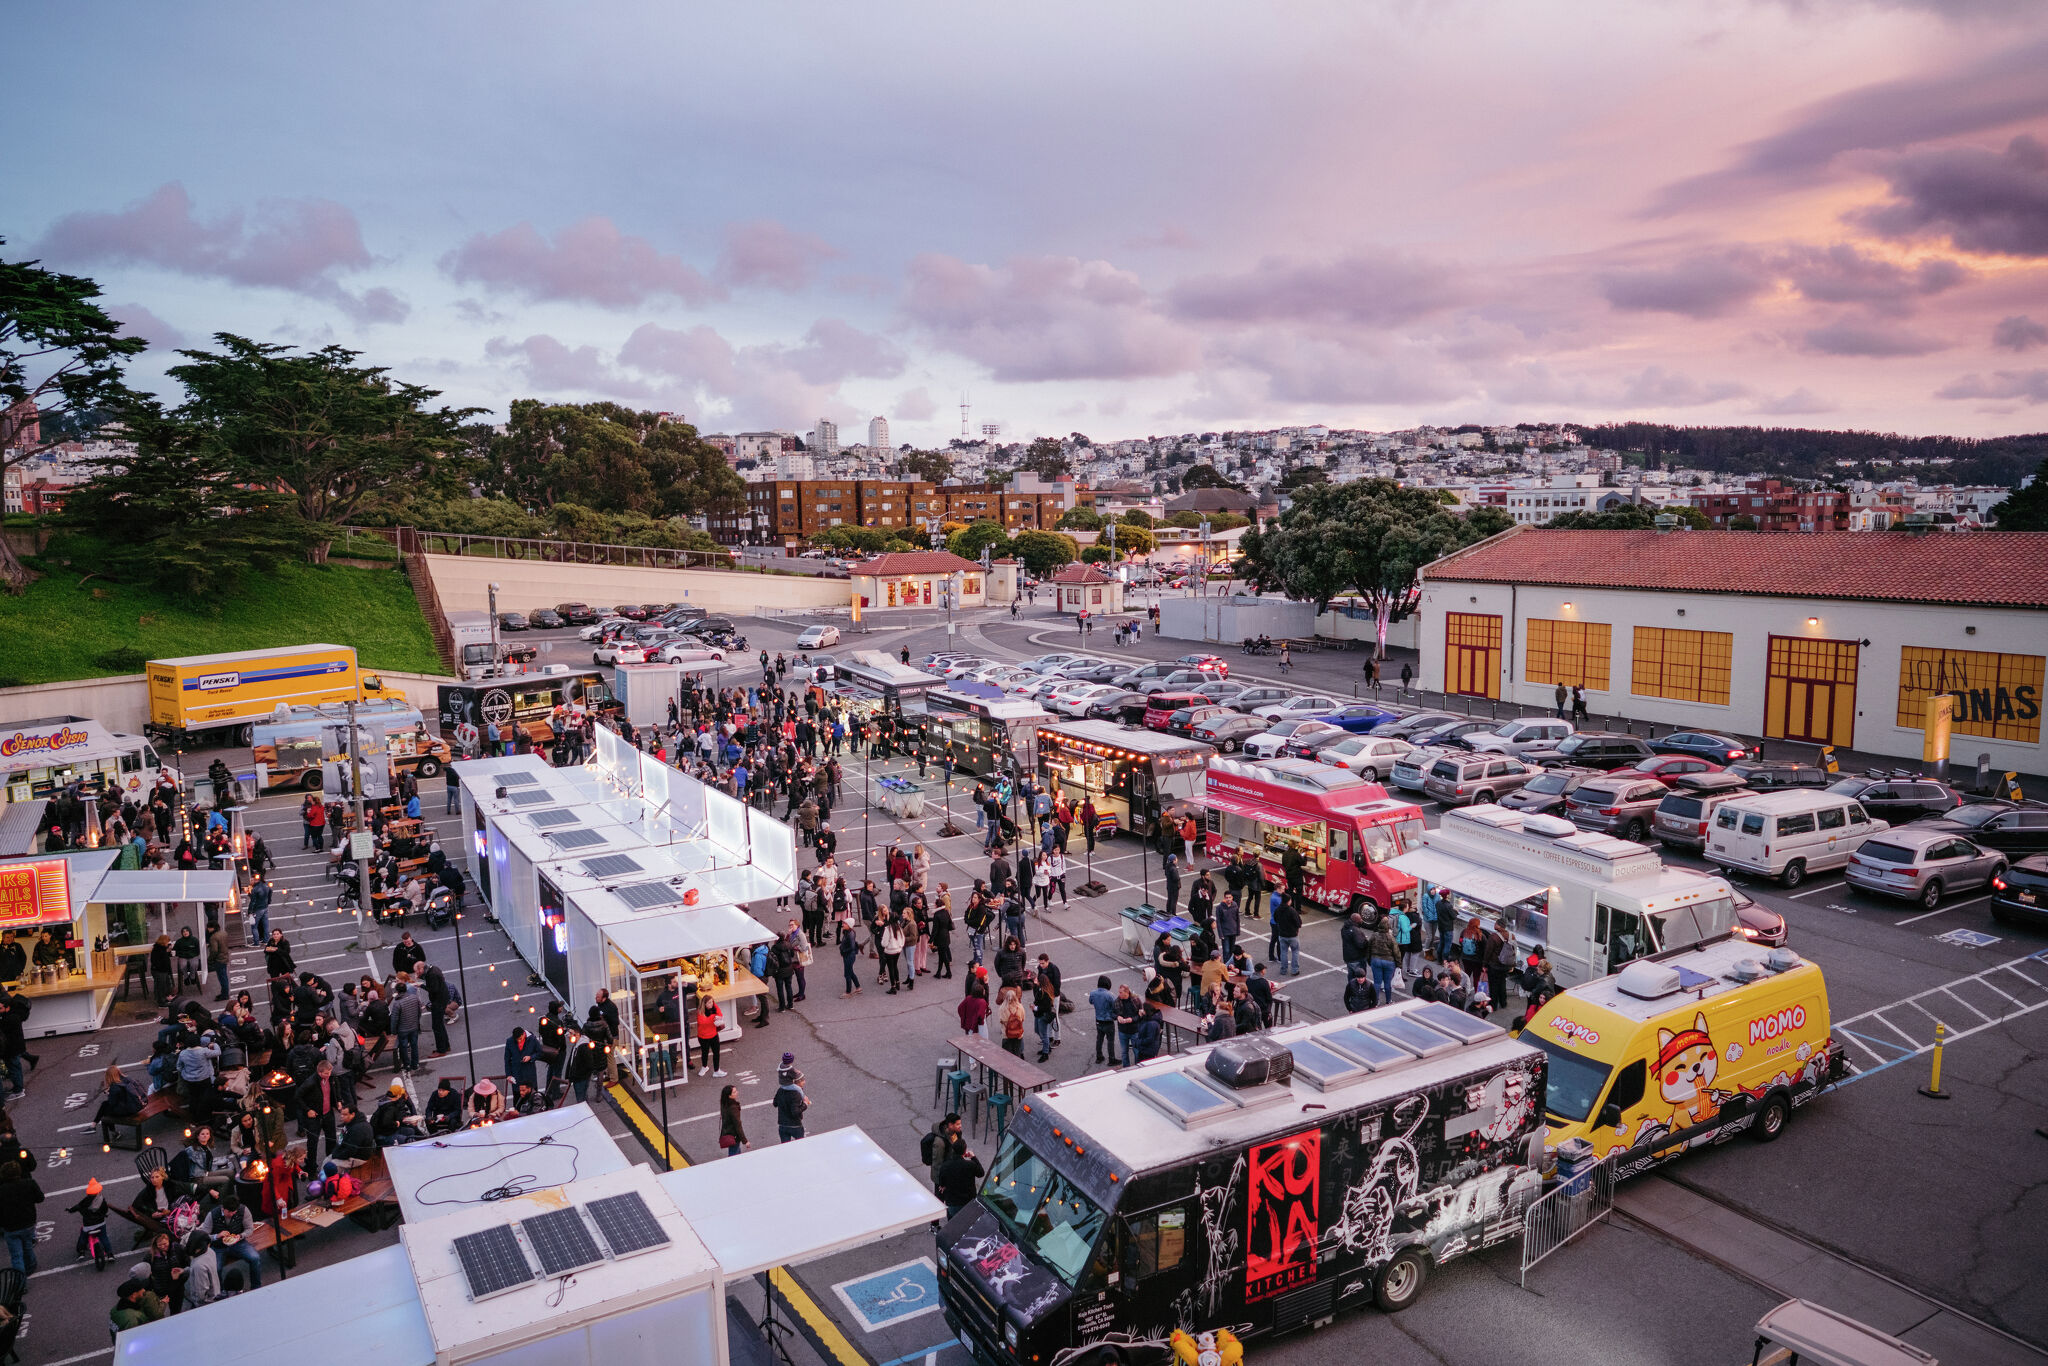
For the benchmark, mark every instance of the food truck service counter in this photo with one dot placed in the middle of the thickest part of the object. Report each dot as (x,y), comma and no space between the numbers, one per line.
(1134,775)
(979,729)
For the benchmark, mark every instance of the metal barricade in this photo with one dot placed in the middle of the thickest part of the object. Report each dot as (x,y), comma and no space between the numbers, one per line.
(1562,1214)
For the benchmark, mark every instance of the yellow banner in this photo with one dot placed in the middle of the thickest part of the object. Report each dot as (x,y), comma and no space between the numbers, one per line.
(1941,714)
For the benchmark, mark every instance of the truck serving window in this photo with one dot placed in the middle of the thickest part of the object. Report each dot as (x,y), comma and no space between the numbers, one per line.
(1574,1082)
(1044,1212)
(1157,1242)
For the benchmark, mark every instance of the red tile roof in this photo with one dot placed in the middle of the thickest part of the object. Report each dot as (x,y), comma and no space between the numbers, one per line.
(1082,574)
(916,562)
(1983,568)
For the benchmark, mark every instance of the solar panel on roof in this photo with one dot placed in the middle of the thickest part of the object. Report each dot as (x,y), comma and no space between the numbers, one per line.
(645,896)
(1464,1027)
(493,1262)
(610,865)
(533,798)
(1418,1039)
(562,1241)
(548,818)
(1321,1067)
(627,1224)
(575,839)
(517,780)
(1182,1097)
(1376,1053)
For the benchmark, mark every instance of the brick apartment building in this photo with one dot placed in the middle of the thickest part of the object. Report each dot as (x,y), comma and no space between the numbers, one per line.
(1777,507)
(789,511)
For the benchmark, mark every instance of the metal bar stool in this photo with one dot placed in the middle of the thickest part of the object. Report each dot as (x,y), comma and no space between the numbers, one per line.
(956,1081)
(999,1112)
(941,1075)
(970,1107)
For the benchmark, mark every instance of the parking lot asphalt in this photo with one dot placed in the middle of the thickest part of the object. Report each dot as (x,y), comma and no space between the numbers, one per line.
(1942,1196)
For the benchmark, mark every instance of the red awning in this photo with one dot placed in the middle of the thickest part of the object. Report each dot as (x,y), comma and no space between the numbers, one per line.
(1244,806)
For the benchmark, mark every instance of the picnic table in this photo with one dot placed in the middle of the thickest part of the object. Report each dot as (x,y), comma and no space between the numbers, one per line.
(1176,1022)
(372,1210)
(1019,1076)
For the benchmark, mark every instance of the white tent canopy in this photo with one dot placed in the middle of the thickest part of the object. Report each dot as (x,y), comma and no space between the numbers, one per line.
(679,934)
(162,885)
(453,1172)
(1487,886)
(799,1201)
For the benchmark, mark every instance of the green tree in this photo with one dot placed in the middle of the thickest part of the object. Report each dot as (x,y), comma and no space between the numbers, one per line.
(1137,517)
(1095,554)
(59,351)
(862,540)
(1742,521)
(933,467)
(607,457)
(1368,538)
(1046,459)
(1628,517)
(1301,476)
(1187,519)
(1080,518)
(2025,509)
(1204,476)
(172,515)
(331,434)
(1134,540)
(968,543)
(1045,551)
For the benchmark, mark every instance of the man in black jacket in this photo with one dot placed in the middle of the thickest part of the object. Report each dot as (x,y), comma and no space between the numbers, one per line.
(1287,939)
(318,1098)
(957,1178)
(358,1139)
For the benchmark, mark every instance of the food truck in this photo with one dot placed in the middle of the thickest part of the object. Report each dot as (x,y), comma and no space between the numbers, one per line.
(1136,777)
(41,758)
(1591,902)
(295,752)
(519,706)
(874,684)
(223,697)
(1686,1048)
(1260,1184)
(1344,827)
(979,729)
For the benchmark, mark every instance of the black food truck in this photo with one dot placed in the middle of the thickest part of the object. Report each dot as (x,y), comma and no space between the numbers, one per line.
(981,730)
(1260,1184)
(526,703)
(1136,777)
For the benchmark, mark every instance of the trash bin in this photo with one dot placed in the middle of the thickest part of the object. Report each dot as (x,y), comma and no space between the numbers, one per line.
(1137,921)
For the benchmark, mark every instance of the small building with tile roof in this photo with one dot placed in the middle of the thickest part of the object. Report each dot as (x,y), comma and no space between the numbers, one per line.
(1081,588)
(919,578)
(1807,639)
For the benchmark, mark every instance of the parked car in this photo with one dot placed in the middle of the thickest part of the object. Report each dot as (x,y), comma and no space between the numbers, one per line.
(1119,704)
(1047,663)
(1615,804)
(576,613)
(1417,722)
(1311,745)
(2016,828)
(2021,892)
(546,619)
(1411,770)
(1091,670)
(1078,702)
(1360,717)
(1251,699)
(1268,744)
(1921,865)
(604,628)
(619,650)
(1773,775)
(1186,678)
(1225,691)
(1601,749)
(1706,744)
(1212,663)
(1686,811)
(511,621)
(1520,736)
(1228,730)
(1460,779)
(1757,922)
(1450,735)
(1544,794)
(1160,706)
(1669,766)
(960,668)
(632,611)
(817,637)
(688,650)
(1371,757)
(706,624)
(1301,704)
(1899,800)
(1184,721)
(1788,833)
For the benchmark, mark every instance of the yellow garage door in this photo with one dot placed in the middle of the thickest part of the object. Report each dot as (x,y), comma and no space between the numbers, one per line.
(1810,691)
(1472,654)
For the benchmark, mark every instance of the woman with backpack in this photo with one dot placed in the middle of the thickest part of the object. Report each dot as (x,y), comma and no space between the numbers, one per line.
(1010,1019)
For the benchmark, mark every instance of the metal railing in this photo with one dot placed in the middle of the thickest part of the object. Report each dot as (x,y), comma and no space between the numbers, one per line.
(412,540)
(1562,1214)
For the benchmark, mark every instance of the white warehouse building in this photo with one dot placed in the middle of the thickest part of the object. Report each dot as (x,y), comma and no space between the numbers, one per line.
(1827,639)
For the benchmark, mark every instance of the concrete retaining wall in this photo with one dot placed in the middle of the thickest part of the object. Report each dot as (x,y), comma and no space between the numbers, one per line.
(463,585)
(121,702)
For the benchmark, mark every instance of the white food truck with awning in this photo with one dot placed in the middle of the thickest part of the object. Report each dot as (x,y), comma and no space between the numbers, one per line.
(1591,902)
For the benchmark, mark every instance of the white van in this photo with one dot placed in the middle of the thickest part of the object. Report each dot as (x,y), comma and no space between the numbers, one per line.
(1787,835)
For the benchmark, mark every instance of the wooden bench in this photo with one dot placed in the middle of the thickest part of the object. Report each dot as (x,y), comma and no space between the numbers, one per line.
(376,1208)
(164,1102)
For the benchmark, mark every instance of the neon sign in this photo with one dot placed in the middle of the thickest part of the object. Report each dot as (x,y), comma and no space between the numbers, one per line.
(45,742)
(35,893)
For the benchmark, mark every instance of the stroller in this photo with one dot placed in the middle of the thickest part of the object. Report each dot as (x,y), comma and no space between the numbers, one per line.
(440,907)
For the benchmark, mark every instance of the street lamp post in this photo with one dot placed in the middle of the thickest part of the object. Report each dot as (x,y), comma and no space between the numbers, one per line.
(366,931)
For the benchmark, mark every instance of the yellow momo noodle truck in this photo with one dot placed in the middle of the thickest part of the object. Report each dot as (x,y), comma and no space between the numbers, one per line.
(223,697)
(1685,1048)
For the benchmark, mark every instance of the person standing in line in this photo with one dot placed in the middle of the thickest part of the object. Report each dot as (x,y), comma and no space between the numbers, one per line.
(732,1134)
(1088,819)
(790,1100)
(1010,1017)
(1578,705)
(709,1022)
(313,817)
(941,930)
(1286,938)
(1380,948)
(454,786)
(1172,870)
(849,957)
(1103,1001)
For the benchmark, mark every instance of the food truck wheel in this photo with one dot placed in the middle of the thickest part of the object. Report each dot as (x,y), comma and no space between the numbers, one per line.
(429,768)
(1401,1280)
(311,780)
(1771,1120)
(245,735)
(1363,905)
(1794,874)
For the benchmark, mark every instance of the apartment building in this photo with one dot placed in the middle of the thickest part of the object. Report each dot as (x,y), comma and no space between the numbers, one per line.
(1776,507)
(791,510)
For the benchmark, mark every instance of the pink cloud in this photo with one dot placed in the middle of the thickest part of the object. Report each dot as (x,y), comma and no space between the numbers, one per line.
(1362,290)
(1844,274)
(549,364)
(1046,318)
(835,350)
(138,321)
(915,405)
(589,261)
(2028,386)
(1168,238)
(767,254)
(754,384)
(299,245)
(1704,285)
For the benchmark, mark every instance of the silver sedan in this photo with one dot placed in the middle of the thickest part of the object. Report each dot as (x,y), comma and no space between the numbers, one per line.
(1921,865)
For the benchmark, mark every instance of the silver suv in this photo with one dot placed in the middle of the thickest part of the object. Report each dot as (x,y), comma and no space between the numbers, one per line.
(1520,737)
(1459,779)
(1615,805)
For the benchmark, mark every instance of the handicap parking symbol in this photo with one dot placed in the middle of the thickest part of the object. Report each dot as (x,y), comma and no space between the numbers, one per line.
(887,1297)
(1969,939)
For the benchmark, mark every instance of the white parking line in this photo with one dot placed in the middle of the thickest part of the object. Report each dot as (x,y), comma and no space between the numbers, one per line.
(1944,910)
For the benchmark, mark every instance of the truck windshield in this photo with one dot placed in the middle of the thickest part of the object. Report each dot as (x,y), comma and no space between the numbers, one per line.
(1574,1084)
(1042,1210)
(1378,842)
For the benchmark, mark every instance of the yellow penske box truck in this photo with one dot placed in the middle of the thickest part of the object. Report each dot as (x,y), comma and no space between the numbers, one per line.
(221,698)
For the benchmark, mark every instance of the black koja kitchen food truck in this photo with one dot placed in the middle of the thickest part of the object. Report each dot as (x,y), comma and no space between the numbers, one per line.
(1260,1185)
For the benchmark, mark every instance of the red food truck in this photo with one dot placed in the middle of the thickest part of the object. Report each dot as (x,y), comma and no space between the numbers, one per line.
(1344,827)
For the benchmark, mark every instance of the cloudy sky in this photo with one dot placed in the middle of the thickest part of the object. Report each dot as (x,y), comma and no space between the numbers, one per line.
(1118,218)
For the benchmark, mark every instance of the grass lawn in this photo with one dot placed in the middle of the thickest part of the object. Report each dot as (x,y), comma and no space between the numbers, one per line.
(61,629)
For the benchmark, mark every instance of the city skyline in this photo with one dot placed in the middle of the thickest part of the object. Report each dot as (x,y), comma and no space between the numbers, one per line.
(1154,219)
